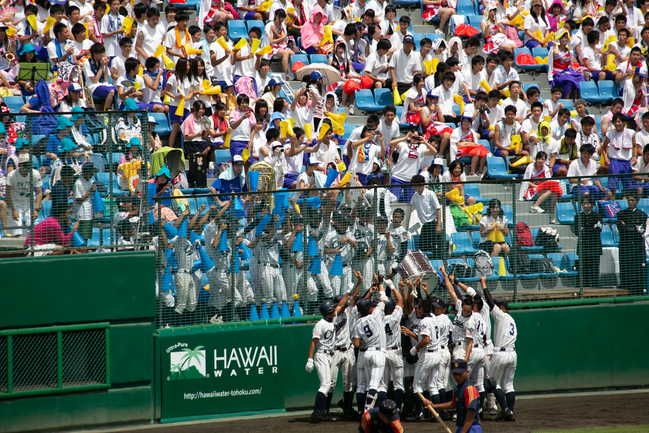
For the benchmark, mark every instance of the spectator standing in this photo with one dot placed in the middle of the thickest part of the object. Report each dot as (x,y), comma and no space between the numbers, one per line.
(82,209)
(21,184)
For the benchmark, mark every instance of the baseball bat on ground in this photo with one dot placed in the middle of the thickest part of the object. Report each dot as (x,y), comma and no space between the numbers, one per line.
(430,408)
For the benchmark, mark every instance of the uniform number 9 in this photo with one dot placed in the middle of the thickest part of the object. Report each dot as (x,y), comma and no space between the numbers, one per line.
(367,331)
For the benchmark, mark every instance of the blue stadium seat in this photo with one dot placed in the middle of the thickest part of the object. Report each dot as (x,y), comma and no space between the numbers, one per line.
(588,92)
(522,276)
(567,103)
(299,58)
(318,58)
(565,213)
(365,101)
(494,271)
(465,7)
(525,50)
(14,103)
(497,170)
(463,244)
(475,239)
(607,237)
(508,211)
(473,189)
(189,4)
(496,262)
(382,97)
(95,239)
(542,53)
(543,274)
(606,90)
(163,128)
(221,155)
(237,30)
(533,249)
(255,23)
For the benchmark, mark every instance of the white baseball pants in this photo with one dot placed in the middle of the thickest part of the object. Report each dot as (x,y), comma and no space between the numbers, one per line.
(476,368)
(443,376)
(502,368)
(394,364)
(426,371)
(345,362)
(186,296)
(322,363)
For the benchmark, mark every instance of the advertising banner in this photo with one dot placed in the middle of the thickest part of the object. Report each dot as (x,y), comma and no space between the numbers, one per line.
(217,371)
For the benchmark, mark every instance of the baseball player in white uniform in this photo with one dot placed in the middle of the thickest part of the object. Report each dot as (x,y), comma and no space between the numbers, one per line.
(427,367)
(272,282)
(186,294)
(440,307)
(324,338)
(503,362)
(343,358)
(393,355)
(293,266)
(340,240)
(364,236)
(369,337)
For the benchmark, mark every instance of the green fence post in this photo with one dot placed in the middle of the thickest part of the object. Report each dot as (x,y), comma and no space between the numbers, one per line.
(514,204)
(59,359)
(107,333)
(10,365)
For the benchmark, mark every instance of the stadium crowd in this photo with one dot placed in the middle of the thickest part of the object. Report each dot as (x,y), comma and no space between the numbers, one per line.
(436,101)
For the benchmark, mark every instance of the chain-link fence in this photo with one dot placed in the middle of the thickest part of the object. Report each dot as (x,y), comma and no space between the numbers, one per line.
(55,359)
(88,165)
(279,254)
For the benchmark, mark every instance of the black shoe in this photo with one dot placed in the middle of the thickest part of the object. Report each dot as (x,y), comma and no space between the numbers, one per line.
(317,417)
(445,415)
(500,416)
(415,418)
(509,415)
(341,404)
(329,417)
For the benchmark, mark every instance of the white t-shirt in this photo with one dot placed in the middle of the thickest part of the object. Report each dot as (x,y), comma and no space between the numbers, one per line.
(405,66)
(152,39)
(23,187)
(82,46)
(126,82)
(487,220)
(535,25)
(495,114)
(620,144)
(521,106)
(502,76)
(170,42)
(118,64)
(389,132)
(371,151)
(82,211)
(245,68)
(223,71)
(111,42)
(375,65)
(473,80)
(446,101)
(185,87)
(406,167)
(593,59)
(426,205)
(577,169)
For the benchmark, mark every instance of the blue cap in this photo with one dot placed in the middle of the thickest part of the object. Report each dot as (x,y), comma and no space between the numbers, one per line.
(63,122)
(76,117)
(277,115)
(135,141)
(27,48)
(20,142)
(75,87)
(164,170)
(226,83)
(315,75)
(67,144)
(130,105)
(389,409)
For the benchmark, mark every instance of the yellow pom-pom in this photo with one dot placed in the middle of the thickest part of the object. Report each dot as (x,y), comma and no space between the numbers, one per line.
(295,296)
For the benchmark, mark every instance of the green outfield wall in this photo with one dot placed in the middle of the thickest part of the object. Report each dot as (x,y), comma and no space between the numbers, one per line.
(560,349)
(102,309)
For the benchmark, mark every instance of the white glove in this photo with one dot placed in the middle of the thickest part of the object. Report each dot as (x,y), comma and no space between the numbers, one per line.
(309,365)
(470,291)
(350,288)
(390,284)
(413,351)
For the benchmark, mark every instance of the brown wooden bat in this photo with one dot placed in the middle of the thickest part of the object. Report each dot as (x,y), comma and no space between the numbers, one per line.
(448,430)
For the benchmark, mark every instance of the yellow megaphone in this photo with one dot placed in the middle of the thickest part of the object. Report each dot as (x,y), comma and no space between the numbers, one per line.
(517,21)
(346,178)
(255,45)
(169,64)
(206,84)
(630,42)
(266,50)
(396,97)
(283,127)
(127,24)
(340,118)
(180,111)
(516,145)
(289,127)
(573,113)
(459,101)
(308,130)
(323,131)
(265,6)
(496,236)
(524,160)
(213,91)
(161,49)
(506,93)
(610,63)
(245,154)
(191,51)
(549,38)
(49,23)
(140,71)
(10,31)
(433,66)
(485,85)
(327,37)
(222,43)
(403,95)
(338,128)
(137,85)
(608,40)
(428,65)
(32,22)
(242,43)
(454,196)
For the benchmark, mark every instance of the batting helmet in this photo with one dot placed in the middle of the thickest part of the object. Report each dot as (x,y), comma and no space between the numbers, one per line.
(389,307)
(364,306)
(337,299)
(327,307)
(501,301)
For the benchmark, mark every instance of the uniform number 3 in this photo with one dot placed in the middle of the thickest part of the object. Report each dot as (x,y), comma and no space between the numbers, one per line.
(367,331)
(511,329)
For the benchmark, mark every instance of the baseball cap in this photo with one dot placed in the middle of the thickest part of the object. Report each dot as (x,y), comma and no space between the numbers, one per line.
(63,122)
(315,75)
(67,144)
(275,82)
(275,144)
(389,409)
(20,142)
(437,303)
(433,94)
(76,117)
(75,87)
(501,301)
(225,83)
(458,366)
(89,168)
(313,161)
(135,141)
(408,38)
(151,119)
(24,158)
(237,158)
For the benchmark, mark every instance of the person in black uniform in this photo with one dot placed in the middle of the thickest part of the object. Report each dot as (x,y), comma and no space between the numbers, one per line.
(589,247)
(631,223)
(466,399)
(382,419)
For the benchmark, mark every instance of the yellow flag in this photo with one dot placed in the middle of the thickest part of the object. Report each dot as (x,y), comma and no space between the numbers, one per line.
(323,130)
(327,37)
(308,130)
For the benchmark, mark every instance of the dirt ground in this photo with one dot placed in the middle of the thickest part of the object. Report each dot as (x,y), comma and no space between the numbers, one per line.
(532,415)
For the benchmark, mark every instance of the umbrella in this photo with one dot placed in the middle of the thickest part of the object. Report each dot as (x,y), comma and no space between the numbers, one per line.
(330,75)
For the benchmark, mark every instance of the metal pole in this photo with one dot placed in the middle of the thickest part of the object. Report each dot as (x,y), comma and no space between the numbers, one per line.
(514,205)
(59,359)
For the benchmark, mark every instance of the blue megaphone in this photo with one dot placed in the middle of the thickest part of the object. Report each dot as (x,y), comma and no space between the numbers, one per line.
(206,261)
(336,269)
(151,190)
(171,260)
(239,212)
(97,202)
(262,225)
(332,175)
(311,201)
(253,178)
(182,229)
(312,247)
(170,231)
(253,313)
(274,311)
(298,242)
(77,240)
(223,242)
(316,265)
(167,282)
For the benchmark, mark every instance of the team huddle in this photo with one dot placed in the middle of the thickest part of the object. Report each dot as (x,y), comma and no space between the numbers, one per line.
(401,335)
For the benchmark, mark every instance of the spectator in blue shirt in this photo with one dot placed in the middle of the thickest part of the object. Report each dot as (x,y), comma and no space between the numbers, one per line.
(53,149)
(231,180)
